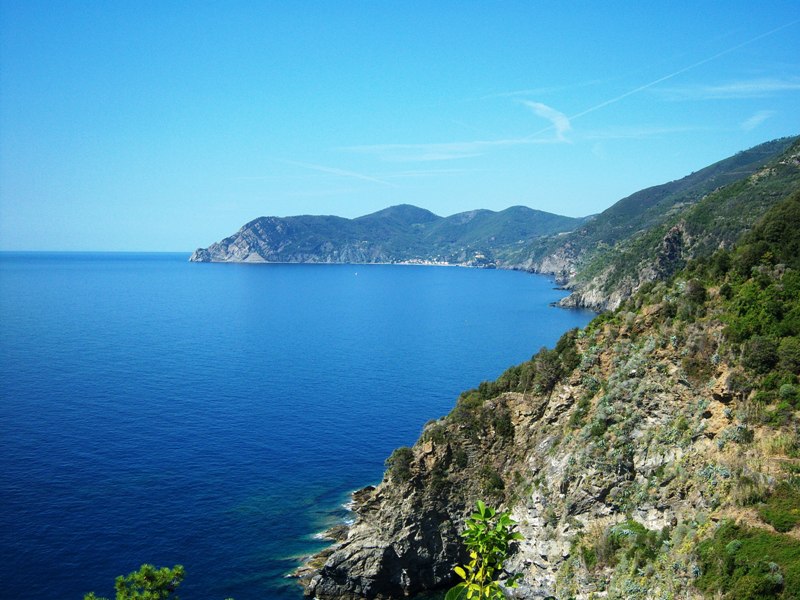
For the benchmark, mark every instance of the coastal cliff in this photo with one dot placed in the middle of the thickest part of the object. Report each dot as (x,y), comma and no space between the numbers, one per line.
(652,234)
(627,453)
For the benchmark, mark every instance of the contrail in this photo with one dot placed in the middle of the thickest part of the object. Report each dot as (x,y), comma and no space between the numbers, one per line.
(335,171)
(683,70)
(671,75)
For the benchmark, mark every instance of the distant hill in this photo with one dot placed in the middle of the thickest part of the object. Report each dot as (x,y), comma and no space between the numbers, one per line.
(404,234)
(651,234)
(602,259)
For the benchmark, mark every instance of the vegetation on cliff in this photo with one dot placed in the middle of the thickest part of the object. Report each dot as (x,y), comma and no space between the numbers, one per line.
(147,583)
(737,311)
(655,454)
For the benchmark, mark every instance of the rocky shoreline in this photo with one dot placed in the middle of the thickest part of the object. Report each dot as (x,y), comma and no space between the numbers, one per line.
(624,435)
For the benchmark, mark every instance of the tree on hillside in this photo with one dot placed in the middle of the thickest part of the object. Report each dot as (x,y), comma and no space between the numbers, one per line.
(148,583)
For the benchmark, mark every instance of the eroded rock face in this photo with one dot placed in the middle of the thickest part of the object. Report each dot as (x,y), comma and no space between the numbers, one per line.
(405,540)
(271,239)
(624,436)
(595,294)
(562,264)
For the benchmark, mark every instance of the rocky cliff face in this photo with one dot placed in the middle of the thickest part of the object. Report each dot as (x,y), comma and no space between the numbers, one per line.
(635,424)
(607,290)
(562,264)
(271,239)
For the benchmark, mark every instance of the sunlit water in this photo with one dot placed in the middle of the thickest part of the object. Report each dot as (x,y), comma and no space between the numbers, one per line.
(155,410)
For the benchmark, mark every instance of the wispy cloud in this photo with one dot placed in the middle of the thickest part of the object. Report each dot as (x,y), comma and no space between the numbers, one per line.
(753,88)
(558,120)
(437,151)
(415,173)
(338,172)
(543,91)
(757,119)
(447,150)
(634,132)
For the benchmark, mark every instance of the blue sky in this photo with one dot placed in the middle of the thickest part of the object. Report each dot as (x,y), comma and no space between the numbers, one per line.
(165,126)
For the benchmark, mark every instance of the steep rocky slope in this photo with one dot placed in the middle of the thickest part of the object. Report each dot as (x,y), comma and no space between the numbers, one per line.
(650,235)
(633,455)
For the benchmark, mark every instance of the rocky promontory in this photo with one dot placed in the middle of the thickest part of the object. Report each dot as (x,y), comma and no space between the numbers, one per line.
(398,234)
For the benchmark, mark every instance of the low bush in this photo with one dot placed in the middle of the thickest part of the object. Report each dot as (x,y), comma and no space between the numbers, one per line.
(502,424)
(789,354)
(747,564)
(782,508)
(493,484)
(399,463)
(760,354)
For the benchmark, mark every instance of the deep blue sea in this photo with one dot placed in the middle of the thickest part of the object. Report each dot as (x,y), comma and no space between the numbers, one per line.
(217,416)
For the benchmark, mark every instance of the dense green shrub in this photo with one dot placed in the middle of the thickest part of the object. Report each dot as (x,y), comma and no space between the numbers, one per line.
(628,540)
(789,354)
(435,432)
(637,543)
(695,292)
(749,256)
(720,264)
(460,458)
(742,563)
(502,423)
(493,484)
(782,508)
(780,415)
(788,392)
(399,463)
(760,354)
(726,291)
(568,352)
(579,414)
(548,370)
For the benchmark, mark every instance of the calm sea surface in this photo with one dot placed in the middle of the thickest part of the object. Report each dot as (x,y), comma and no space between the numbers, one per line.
(156,410)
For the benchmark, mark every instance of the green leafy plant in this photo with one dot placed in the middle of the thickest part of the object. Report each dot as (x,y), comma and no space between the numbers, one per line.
(488,538)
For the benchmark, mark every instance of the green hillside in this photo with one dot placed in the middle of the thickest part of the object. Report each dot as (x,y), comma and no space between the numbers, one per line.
(651,234)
